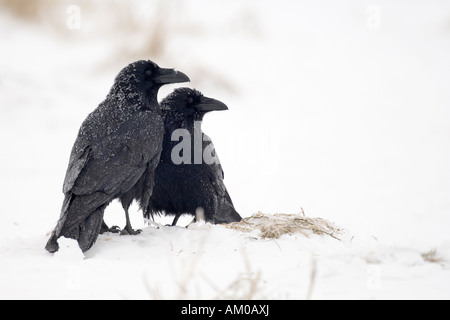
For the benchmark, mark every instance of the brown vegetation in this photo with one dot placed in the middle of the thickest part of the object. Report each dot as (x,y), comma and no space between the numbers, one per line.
(274,226)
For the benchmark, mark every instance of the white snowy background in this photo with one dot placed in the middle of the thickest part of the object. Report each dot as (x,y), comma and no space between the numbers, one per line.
(337,108)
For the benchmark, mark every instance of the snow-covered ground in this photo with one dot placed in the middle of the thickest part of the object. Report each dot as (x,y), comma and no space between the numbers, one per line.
(338,109)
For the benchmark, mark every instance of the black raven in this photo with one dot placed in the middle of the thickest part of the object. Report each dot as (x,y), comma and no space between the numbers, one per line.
(189,175)
(118,146)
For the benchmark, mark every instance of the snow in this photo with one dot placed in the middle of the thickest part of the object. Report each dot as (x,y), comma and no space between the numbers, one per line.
(337,109)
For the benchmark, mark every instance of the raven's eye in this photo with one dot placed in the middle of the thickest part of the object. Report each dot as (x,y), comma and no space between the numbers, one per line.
(148,72)
(190,100)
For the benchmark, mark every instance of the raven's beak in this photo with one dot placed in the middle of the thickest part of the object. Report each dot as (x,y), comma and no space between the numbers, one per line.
(166,76)
(208,104)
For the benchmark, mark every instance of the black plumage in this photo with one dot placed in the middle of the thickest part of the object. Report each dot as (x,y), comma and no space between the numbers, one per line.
(198,181)
(115,154)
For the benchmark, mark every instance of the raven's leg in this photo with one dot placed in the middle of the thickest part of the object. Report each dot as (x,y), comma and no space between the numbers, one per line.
(175,220)
(192,222)
(128,230)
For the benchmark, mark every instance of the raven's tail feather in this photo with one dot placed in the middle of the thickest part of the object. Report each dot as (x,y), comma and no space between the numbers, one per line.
(90,230)
(78,221)
(52,244)
(226,213)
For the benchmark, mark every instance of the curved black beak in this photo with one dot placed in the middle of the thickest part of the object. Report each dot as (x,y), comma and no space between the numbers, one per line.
(208,104)
(166,76)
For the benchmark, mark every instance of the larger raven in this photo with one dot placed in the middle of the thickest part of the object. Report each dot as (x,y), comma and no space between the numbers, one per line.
(115,154)
(189,178)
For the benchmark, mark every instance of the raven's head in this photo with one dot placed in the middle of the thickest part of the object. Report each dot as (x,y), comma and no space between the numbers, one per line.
(142,79)
(186,104)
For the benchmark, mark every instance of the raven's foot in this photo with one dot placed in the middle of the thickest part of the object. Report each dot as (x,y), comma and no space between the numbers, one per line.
(105,229)
(113,229)
(130,231)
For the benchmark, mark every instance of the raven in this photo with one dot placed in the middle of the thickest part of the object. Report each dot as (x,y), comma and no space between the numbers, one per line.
(184,187)
(118,146)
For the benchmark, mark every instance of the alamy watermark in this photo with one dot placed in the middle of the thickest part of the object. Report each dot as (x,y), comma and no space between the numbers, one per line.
(73,280)
(256,149)
(182,152)
(73,21)
(374,278)
(373,21)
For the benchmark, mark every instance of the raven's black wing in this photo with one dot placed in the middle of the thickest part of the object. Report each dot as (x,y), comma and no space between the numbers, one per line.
(109,163)
(213,166)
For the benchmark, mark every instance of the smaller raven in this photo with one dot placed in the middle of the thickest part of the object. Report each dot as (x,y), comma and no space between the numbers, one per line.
(187,179)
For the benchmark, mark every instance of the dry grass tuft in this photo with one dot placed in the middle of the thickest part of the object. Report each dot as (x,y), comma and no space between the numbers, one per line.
(432,257)
(25,9)
(277,225)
